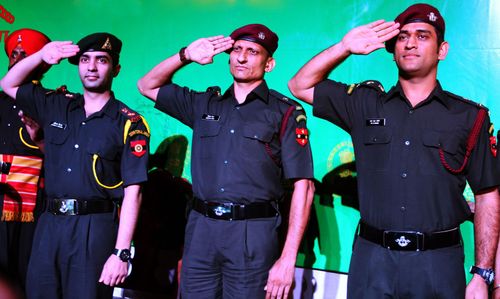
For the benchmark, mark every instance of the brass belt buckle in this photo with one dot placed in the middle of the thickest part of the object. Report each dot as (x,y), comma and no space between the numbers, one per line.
(68,207)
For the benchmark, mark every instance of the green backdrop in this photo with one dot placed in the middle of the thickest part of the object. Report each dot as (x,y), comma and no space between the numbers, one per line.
(152,30)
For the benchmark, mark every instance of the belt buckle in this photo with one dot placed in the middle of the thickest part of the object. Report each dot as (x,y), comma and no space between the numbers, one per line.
(220,210)
(67,207)
(403,240)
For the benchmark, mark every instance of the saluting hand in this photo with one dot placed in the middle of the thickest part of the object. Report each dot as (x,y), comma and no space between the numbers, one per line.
(368,38)
(54,52)
(203,50)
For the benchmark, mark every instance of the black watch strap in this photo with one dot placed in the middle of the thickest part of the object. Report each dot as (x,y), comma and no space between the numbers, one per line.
(123,254)
(487,274)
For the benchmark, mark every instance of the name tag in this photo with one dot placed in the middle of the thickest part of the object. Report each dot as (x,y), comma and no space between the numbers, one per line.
(55,124)
(370,122)
(210,117)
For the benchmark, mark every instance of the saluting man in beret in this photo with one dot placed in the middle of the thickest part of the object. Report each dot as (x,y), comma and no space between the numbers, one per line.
(96,153)
(20,165)
(416,148)
(245,141)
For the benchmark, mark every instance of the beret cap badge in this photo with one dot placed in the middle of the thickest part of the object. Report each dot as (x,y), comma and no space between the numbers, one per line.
(107,45)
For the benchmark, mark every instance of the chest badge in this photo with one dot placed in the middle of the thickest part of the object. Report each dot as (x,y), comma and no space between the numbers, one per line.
(210,117)
(375,122)
(58,125)
(301,136)
(138,147)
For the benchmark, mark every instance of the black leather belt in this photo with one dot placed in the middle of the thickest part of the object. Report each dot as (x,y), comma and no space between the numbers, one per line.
(410,240)
(4,167)
(232,211)
(71,206)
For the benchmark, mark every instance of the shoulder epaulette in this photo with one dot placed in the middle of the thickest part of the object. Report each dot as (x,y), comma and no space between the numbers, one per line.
(294,106)
(283,98)
(62,90)
(369,83)
(470,102)
(131,115)
(214,89)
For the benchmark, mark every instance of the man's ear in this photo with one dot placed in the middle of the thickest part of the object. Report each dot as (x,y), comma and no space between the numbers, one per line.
(270,64)
(443,50)
(116,70)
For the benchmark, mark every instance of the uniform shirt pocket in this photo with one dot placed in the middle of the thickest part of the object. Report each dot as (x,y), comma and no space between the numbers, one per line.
(207,133)
(256,142)
(107,165)
(449,143)
(57,136)
(377,148)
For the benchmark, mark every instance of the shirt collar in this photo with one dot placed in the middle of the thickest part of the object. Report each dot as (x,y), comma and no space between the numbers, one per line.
(260,92)
(438,93)
(110,108)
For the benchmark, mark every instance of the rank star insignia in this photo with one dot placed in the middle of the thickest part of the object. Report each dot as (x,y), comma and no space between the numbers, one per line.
(138,147)
(301,136)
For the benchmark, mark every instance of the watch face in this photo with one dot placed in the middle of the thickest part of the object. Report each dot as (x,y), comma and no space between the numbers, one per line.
(125,255)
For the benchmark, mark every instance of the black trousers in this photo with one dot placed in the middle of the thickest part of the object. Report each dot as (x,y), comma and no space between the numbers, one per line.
(68,255)
(228,259)
(377,272)
(16,239)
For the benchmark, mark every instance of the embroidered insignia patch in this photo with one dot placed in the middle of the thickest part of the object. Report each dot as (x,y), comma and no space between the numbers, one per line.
(301,136)
(493,145)
(138,147)
(140,132)
(128,112)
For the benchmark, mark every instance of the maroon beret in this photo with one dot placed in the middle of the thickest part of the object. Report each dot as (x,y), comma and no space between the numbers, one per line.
(418,13)
(259,34)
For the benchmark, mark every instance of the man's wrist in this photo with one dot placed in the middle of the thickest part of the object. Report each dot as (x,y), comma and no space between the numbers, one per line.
(125,255)
(183,56)
(488,275)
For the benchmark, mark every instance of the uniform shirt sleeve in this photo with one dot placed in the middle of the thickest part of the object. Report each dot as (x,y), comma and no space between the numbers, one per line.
(483,171)
(177,102)
(33,101)
(134,162)
(295,148)
(333,102)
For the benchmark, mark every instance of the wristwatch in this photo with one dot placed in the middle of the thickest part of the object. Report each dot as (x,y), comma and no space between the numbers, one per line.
(123,254)
(487,274)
